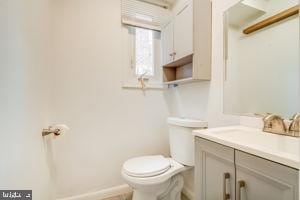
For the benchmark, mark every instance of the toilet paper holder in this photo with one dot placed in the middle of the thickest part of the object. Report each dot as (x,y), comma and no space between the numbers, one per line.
(50,130)
(57,130)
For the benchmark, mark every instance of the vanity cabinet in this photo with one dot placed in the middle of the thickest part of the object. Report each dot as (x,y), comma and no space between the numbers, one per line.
(215,165)
(258,178)
(224,173)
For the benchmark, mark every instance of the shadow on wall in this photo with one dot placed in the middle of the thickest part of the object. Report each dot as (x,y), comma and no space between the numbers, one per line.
(188,100)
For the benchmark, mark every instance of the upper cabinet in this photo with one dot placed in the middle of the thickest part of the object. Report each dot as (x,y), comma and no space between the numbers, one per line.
(183,31)
(167,43)
(186,43)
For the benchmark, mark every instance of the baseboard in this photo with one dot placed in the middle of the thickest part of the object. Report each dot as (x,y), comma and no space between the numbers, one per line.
(102,194)
(188,193)
(116,191)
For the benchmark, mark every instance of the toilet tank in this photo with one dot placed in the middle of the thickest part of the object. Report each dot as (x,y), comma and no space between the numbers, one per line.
(181,138)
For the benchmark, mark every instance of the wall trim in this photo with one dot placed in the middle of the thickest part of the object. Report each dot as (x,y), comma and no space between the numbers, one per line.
(102,194)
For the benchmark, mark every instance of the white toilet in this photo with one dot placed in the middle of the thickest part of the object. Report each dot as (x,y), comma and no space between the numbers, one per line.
(157,177)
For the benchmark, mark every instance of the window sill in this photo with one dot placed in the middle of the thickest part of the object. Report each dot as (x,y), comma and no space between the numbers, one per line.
(149,86)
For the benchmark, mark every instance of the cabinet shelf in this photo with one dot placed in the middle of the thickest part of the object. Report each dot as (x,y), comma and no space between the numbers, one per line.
(175,73)
(181,62)
(184,80)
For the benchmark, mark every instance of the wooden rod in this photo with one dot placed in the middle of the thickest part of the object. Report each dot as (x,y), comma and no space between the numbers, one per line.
(271,20)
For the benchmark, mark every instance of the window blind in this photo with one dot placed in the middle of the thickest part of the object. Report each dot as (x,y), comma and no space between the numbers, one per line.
(145,15)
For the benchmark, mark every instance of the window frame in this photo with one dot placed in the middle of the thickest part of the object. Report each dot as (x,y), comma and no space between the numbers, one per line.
(131,79)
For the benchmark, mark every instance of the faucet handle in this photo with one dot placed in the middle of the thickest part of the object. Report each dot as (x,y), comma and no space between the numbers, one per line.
(296,116)
(274,124)
(294,128)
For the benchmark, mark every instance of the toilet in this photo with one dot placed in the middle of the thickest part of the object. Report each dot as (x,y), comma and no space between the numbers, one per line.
(156,177)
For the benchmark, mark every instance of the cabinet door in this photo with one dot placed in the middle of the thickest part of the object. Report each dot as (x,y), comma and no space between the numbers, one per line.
(214,171)
(260,179)
(183,31)
(167,43)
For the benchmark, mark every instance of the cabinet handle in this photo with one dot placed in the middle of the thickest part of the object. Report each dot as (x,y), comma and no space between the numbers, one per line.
(241,185)
(226,188)
(174,55)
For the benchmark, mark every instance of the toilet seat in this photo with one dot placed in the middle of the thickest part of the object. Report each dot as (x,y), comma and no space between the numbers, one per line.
(136,182)
(146,166)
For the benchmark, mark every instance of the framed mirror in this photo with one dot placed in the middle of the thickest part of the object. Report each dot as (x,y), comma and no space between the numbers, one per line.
(261,52)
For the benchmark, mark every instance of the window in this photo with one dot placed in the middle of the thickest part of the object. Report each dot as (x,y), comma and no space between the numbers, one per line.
(144,52)
(141,25)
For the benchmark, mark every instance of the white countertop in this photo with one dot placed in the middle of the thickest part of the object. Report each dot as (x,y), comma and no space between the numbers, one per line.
(281,149)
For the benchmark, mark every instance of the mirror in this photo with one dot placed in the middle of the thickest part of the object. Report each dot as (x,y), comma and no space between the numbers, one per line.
(261,53)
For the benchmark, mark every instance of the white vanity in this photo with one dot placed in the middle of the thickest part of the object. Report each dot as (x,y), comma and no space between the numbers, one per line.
(241,163)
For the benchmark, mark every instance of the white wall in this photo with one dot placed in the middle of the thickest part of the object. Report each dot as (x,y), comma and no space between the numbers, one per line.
(108,124)
(86,95)
(23,67)
(86,70)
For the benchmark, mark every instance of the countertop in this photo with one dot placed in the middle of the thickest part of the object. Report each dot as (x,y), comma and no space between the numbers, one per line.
(277,148)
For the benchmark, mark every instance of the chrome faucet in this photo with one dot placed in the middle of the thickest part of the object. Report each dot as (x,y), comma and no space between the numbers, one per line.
(294,129)
(274,124)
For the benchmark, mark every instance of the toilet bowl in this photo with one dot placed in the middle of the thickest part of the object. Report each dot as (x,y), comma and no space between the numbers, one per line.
(157,177)
(154,177)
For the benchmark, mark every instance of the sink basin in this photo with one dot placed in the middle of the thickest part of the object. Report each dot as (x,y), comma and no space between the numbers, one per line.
(277,148)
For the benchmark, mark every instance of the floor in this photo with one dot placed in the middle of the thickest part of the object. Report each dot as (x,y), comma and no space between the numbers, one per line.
(121,197)
(129,197)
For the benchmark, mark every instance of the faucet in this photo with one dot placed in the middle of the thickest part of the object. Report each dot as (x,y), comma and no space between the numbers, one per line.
(274,124)
(294,128)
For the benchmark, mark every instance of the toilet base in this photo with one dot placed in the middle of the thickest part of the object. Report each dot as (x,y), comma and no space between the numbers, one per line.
(170,190)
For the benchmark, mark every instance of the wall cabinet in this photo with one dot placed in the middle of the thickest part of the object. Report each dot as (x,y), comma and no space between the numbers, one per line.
(167,36)
(186,43)
(228,174)
(177,35)
(183,31)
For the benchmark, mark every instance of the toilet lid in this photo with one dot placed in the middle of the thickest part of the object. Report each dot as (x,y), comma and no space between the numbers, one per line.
(146,166)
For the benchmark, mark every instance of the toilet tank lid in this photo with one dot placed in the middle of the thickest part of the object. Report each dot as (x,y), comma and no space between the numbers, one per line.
(188,123)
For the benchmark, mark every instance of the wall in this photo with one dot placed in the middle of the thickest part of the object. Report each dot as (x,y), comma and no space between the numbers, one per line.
(87,83)
(204,100)
(108,124)
(86,95)
(23,67)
